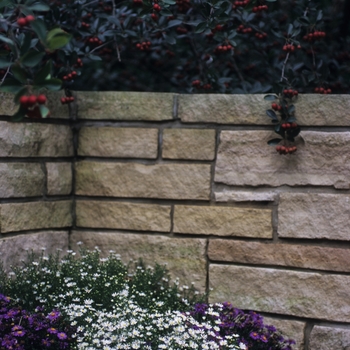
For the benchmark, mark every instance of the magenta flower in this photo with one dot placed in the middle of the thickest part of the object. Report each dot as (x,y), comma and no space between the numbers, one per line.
(52,330)
(62,335)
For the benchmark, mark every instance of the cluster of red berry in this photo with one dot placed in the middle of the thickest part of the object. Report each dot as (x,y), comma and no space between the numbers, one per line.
(79,63)
(198,84)
(276,106)
(68,99)
(70,76)
(242,29)
(85,25)
(289,125)
(24,21)
(240,4)
(144,46)
(223,48)
(32,100)
(154,17)
(260,8)
(261,35)
(290,47)
(290,93)
(183,5)
(285,150)
(95,41)
(314,36)
(321,90)
(156,7)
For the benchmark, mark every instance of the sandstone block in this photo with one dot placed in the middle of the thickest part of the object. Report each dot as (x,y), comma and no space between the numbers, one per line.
(35,215)
(21,180)
(189,144)
(185,258)
(311,109)
(294,255)
(14,249)
(118,142)
(35,140)
(325,338)
(171,181)
(245,196)
(7,106)
(314,216)
(59,178)
(302,294)
(121,215)
(121,105)
(223,221)
(290,329)
(244,158)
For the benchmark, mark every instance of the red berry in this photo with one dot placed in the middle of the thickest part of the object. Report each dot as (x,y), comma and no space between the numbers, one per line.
(32,100)
(63,100)
(41,99)
(23,101)
(30,18)
(274,106)
(22,22)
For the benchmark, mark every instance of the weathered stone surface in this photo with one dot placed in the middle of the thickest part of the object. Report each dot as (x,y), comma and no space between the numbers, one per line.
(59,178)
(294,255)
(302,294)
(7,106)
(290,329)
(185,258)
(326,338)
(14,249)
(121,105)
(35,215)
(176,181)
(118,142)
(244,158)
(121,215)
(314,216)
(21,180)
(311,109)
(223,221)
(35,140)
(245,196)
(189,144)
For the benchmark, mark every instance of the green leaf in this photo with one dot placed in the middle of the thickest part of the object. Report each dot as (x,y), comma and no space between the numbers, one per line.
(201,27)
(291,109)
(95,58)
(5,3)
(319,16)
(274,142)
(21,92)
(11,85)
(277,34)
(19,73)
(173,23)
(58,41)
(304,20)
(271,114)
(44,111)
(170,40)
(5,62)
(43,73)
(32,58)
(51,84)
(26,43)
(270,97)
(39,28)
(166,12)
(6,40)
(169,2)
(39,7)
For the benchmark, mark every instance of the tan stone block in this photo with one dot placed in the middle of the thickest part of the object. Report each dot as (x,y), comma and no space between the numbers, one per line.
(170,181)
(311,109)
(35,215)
(245,196)
(294,255)
(185,258)
(326,338)
(7,106)
(314,216)
(302,294)
(223,221)
(21,180)
(118,142)
(14,249)
(290,330)
(189,144)
(35,140)
(122,215)
(244,158)
(121,105)
(59,178)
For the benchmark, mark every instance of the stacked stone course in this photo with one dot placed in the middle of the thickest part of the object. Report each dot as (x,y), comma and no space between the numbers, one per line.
(190,181)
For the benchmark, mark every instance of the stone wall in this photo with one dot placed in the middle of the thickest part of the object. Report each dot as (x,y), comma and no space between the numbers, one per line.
(189,180)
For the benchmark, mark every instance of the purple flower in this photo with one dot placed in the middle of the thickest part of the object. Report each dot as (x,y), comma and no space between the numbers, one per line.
(263,338)
(46,342)
(53,315)
(62,335)
(52,330)
(254,335)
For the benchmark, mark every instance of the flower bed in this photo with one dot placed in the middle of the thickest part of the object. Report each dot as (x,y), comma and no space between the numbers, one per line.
(88,302)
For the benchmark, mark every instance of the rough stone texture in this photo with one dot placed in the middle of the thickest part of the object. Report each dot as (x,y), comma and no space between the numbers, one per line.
(290,329)
(326,338)
(118,142)
(171,181)
(311,109)
(35,215)
(244,158)
(245,196)
(21,180)
(223,221)
(14,249)
(121,215)
(308,257)
(121,105)
(59,178)
(302,294)
(185,258)
(189,144)
(7,106)
(314,216)
(35,140)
